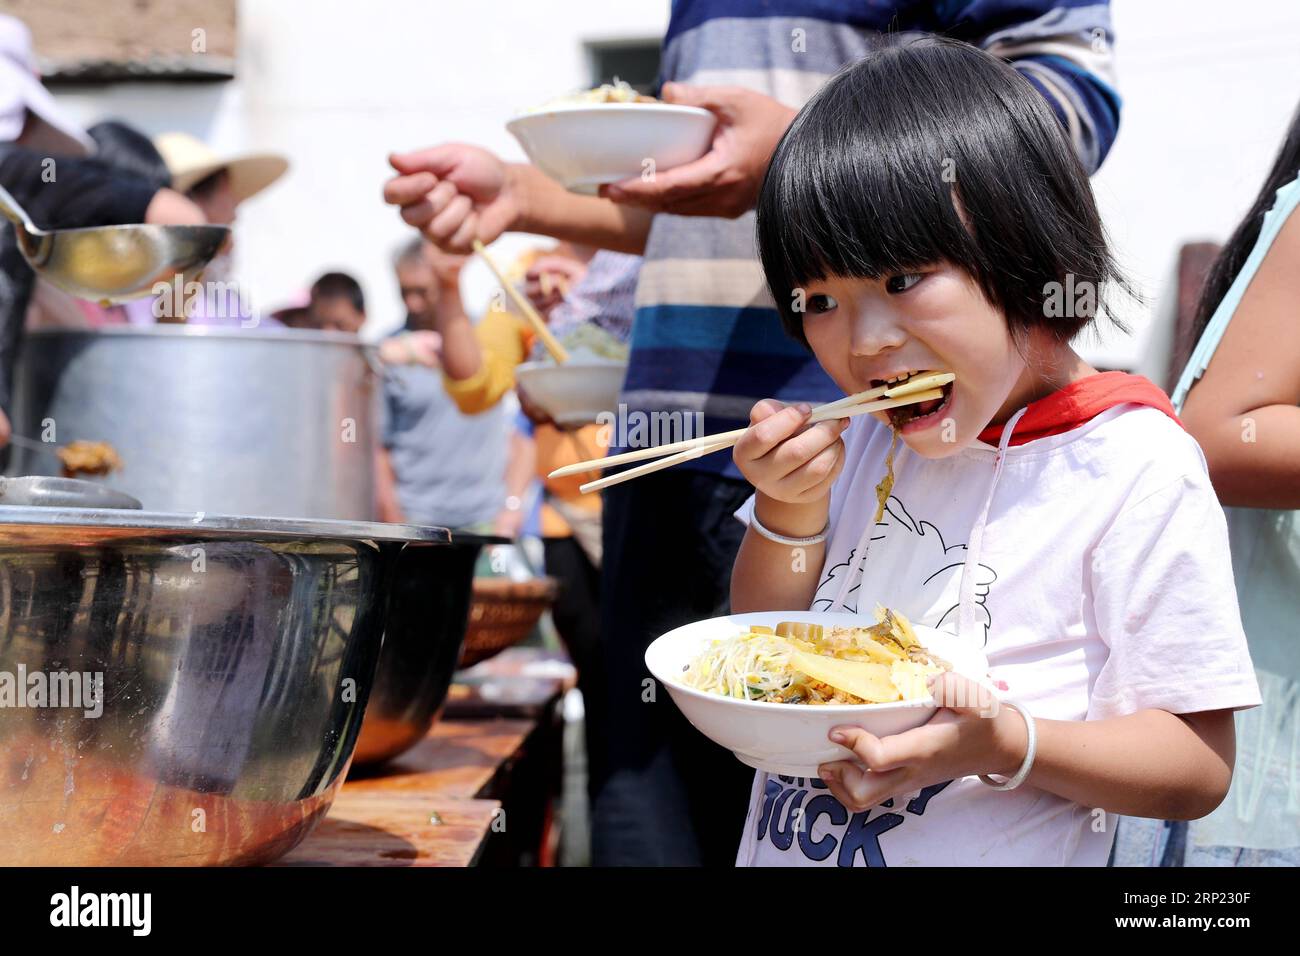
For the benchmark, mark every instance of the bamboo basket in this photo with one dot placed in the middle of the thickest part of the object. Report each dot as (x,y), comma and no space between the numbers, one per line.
(503,613)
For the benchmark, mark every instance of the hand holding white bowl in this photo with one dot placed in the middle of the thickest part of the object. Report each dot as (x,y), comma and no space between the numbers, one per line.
(794,739)
(969,734)
(583,146)
(725,180)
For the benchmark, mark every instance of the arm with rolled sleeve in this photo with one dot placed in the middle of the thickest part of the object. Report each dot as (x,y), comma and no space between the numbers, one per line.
(503,344)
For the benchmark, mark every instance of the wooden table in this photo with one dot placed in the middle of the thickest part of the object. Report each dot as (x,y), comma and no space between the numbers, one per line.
(476,789)
(377,828)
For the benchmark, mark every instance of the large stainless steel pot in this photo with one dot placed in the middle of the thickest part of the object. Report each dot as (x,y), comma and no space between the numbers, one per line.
(227,421)
(234,658)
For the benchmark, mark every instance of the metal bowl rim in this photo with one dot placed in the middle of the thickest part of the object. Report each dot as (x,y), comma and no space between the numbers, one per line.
(205,230)
(198,524)
(180,330)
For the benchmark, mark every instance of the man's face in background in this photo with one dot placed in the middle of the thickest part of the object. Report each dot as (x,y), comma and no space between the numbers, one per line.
(336,313)
(419,287)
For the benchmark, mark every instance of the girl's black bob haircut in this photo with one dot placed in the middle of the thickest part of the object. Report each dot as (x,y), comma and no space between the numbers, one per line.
(931,150)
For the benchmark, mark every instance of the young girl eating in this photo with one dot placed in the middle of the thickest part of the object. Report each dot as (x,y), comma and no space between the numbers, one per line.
(925,212)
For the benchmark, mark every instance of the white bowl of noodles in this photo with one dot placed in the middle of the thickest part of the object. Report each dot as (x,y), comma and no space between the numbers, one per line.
(575,393)
(584,143)
(791,738)
(583,388)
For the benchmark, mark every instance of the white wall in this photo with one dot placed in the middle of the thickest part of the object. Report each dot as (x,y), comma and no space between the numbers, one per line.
(1208,92)
(335,85)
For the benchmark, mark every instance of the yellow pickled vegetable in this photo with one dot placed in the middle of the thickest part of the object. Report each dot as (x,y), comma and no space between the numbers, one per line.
(870,681)
(800,631)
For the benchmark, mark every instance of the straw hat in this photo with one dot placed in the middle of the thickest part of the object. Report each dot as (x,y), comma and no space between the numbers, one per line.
(190,161)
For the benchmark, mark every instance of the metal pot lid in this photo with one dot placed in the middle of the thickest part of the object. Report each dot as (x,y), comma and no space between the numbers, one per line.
(84,505)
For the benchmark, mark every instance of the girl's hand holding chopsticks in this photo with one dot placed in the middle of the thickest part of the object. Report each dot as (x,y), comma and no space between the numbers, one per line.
(792,462)
(922,387)
(787,459)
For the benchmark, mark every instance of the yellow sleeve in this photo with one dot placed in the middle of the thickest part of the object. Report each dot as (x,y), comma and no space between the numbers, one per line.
(501,337)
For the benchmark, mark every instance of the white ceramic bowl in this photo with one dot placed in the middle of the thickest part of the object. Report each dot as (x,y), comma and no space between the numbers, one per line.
(577,391)
(790,739)
(588,145)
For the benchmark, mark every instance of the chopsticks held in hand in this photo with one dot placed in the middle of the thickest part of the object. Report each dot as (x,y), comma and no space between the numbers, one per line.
(552,344)
(920,388)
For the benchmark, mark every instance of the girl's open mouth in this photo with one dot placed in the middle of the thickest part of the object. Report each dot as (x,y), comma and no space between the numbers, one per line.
(914,418)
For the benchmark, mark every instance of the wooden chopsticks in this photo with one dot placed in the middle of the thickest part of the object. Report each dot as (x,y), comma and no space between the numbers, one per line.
(921,388)
(552,344)
(650,466)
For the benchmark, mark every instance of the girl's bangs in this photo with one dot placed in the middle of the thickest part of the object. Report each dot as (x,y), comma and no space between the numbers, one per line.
(844,200)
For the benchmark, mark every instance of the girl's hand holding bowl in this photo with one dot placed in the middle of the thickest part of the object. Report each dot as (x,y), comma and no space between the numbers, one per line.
(971,734)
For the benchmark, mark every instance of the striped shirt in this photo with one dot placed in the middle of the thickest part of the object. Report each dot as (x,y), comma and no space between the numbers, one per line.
(707,337)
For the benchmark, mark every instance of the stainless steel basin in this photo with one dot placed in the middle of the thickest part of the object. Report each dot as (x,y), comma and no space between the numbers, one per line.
(432,590)
(234,659)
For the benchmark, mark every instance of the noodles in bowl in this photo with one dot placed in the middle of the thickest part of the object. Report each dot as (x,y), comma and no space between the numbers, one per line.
(772,698)
(800,663)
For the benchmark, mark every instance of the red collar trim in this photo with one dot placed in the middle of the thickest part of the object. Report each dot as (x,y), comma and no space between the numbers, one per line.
(1080,402)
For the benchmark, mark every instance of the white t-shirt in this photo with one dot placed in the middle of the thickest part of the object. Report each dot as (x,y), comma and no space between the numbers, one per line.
(1102,586)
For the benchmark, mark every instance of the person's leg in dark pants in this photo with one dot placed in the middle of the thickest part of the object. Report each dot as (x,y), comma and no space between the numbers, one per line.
(576,614)
(672,797)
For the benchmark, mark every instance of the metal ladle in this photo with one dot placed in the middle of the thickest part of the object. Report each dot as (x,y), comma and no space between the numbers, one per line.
(110,264)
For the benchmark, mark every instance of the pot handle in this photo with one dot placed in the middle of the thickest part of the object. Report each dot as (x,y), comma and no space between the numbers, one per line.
(42,491)
(371,356)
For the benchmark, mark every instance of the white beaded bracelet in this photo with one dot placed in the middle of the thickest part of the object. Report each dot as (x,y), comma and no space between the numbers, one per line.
(782,539)
(1030,751)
